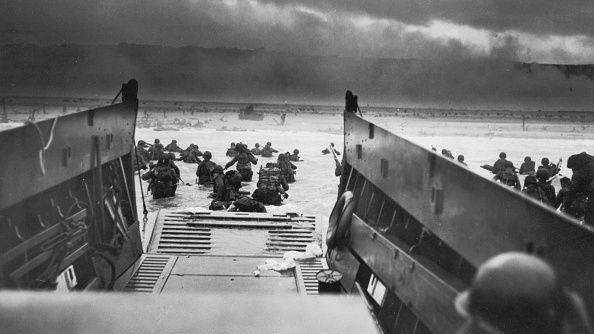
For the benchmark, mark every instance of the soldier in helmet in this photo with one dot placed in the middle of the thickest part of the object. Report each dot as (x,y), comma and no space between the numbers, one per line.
(172,147)
(552,169)
(532,189)
(582,184)
(156,150)
(501,164)
(287,167)
(508,176)
(205,168)
(139,158)
(294,156)
(162,179)
(517,293)
(461,159)
(542,177)
(231,152)
(244,160)
(268,151)
(272,186)
(256,150)
(527,167)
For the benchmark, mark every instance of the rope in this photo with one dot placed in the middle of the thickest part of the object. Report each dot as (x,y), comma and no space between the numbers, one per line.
(144,210)
(44,145)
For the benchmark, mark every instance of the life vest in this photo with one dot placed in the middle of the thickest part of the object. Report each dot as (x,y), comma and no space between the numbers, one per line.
(269,178)
(340,220)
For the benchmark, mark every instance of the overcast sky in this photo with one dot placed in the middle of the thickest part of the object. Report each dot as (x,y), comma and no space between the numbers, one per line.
(546,31)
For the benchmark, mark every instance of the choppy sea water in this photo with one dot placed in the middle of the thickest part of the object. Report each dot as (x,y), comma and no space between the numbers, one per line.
(315,189)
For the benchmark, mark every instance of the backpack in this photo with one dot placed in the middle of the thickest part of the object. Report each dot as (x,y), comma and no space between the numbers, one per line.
(164,174)
(269,178)
(247,204)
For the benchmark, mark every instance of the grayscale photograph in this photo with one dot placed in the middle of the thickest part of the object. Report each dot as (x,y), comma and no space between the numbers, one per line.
(297,166)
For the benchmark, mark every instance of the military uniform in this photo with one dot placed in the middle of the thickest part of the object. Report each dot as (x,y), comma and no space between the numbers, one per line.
(172,147)
(204,170)
(582,184)
(509,178)
(162,179)
(155,151)
(271,185)
(268,151)
(256,150)
(527,167)
(244,159)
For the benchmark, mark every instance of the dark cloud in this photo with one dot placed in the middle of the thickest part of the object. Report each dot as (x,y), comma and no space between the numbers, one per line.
(320,27)
(566,17)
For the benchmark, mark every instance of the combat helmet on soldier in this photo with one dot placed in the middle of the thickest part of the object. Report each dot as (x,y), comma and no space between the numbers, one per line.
(520,293)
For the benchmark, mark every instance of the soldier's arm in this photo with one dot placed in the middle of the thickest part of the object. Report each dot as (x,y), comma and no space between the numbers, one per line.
(252,158)
(577,185)
(230,163)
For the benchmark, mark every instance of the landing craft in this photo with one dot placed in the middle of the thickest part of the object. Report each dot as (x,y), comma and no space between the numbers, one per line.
(405,240)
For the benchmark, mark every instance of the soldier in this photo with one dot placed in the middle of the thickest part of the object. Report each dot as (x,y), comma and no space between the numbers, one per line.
(287,168)
(142,151)
(156,150)
(527,167)
(508,176)
(244,159)
(231,152)
(219,201)
(582,184)
(170,159)
(501,164)
(327,151)
(204,170)
(552,169)
(461,160)
(172,147)
(517,293)
(267,151)
(532,189)
(247,204)
(161,179)
(191,154)
(294,156)
(256,150)
(547,188)
(272,186)
(139,160)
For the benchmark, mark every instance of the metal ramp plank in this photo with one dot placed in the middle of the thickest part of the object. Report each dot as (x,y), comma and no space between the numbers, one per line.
(151,274)
(305,275)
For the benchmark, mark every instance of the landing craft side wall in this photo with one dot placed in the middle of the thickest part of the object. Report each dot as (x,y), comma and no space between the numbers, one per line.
(474,216)
(70,152)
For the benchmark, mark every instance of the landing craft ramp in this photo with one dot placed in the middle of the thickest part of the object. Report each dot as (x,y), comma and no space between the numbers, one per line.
(207,251)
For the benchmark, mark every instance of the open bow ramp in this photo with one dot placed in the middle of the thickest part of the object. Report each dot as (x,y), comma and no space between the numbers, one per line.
(209,251)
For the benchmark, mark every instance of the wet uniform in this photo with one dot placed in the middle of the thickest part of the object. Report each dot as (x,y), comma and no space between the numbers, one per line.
(294,157)
(527,167)
(204,172)
(162,179)
(267,151)
(271,185)
(172,147)
(582,184)
(244,167)
(509,178)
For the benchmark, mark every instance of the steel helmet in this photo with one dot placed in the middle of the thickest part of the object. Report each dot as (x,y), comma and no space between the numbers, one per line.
(513,293)
(217,169)
(295,151)
(207,155)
